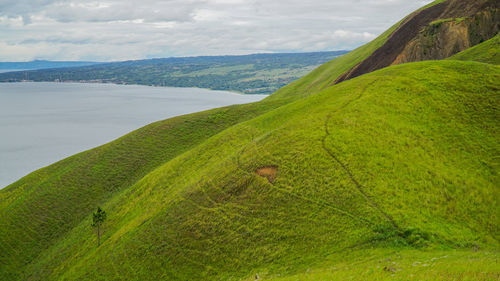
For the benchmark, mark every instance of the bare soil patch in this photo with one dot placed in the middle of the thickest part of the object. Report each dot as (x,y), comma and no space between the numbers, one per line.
(268,172)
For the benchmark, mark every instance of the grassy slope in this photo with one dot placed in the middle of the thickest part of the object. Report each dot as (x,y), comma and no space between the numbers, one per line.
(388,264)
(92,177)
(399,159)
(325,75)
(31,208)
(487,52)
(44,205)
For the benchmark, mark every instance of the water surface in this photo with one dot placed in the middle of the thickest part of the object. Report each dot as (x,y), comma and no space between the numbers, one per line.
(41,123)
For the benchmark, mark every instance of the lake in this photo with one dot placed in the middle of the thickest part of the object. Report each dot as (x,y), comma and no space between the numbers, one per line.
(41,123)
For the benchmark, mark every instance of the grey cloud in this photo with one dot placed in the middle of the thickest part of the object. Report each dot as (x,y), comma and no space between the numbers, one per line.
(24,8)
(132,29)
(147,11)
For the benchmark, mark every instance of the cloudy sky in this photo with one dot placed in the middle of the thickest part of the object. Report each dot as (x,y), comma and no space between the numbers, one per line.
(136,29)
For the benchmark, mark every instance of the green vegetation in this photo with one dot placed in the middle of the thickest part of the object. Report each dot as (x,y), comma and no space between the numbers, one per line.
(347,178)
(251,74)
(325,75)
(98,219)
(487,52)
(379,264)
(455,20)
(68,191)
(440,21)
(93,177)
(389,176)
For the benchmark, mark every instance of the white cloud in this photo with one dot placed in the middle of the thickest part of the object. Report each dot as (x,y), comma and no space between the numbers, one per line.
(133,29)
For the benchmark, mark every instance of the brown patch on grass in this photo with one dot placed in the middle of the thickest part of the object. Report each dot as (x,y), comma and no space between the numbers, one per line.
(268,172)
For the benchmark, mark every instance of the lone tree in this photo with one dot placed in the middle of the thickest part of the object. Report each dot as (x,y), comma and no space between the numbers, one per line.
(98,218)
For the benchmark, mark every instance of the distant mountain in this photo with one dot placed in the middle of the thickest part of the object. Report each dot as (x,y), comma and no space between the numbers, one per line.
(42,64)
(250,74)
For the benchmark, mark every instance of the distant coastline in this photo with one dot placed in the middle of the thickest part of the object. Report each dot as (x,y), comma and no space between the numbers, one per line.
(248,74)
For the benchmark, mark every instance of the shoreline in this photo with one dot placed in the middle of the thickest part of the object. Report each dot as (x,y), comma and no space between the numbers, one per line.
(127,84)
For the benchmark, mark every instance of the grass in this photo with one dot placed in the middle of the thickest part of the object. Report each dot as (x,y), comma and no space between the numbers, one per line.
(325,75)
(440,21)
(408,163)
(432,4)
(74,186)
(399,164)
(487,52)
(380,264)
(68,190)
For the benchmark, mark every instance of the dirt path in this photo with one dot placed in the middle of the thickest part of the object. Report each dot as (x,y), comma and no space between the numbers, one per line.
(344,167)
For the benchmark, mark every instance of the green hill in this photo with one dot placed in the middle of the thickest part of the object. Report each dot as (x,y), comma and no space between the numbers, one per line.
(391,175)
(207,214)
(487,52)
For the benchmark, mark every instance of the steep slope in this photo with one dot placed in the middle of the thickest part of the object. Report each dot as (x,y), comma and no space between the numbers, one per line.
(399,159)
(67,191)
(40,208)
(326,75)
(406,158)
(435,32)
(93,177)
(487,52)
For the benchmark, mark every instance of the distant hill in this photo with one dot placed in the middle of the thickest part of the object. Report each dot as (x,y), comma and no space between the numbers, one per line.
(391,174)
(42,64)
(250,74)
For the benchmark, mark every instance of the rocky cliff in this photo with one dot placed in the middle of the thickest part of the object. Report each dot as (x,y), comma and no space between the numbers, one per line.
(433,33)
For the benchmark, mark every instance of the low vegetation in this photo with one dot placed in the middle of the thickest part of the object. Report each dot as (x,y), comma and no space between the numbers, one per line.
(251,74)
(210,210)
(487,52)
(376,264)
(392,175)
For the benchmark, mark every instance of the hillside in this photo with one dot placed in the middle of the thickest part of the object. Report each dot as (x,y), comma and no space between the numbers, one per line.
(360,192)
(487,52)
(382,176)
(433,33)
(73,174)
(250,74)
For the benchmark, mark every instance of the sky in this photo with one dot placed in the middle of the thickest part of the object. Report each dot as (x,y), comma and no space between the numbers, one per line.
(116,30)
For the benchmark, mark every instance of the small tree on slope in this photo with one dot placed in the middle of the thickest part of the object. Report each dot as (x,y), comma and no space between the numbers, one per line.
(97,219)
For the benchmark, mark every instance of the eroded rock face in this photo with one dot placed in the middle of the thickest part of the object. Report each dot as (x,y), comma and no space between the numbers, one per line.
(444,38)
(436,32)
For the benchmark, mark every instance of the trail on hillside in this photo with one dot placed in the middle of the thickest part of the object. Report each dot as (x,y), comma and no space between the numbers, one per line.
(289,192)
(344,167)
